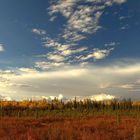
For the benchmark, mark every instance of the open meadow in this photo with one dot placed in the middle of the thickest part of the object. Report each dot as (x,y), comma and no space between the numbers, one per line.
(88,128)
(89,120)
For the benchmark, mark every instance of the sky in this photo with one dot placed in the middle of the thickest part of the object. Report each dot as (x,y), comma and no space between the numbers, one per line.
(70,47)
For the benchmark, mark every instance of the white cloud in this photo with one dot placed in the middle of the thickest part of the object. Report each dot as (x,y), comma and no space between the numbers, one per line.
(101,97)
(126,86)
(59,97)
(39,31)
(27,70)
(100,54)
(55,57)
(60,54)
(49,42)
(82,20)
(64,7)
(72,36)
(48,65)
(124,27)
(74,51)
(5,80)
(63,47)
(97,54)
(66,52)
(123,17)
(59,50)
(5,98)
(111,44)
(1,47)
(119,1)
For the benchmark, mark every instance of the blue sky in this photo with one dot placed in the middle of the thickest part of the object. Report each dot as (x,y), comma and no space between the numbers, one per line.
(58,37)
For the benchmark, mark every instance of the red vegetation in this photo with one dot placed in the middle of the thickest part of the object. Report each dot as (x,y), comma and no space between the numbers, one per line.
(90,128)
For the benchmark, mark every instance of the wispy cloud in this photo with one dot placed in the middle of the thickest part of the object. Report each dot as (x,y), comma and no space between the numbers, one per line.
(82,20)
(81,17)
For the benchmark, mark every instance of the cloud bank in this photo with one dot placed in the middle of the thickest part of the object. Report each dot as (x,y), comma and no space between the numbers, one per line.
(113,79)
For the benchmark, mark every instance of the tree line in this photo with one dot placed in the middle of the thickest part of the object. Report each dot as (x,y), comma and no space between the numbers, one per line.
(42,107)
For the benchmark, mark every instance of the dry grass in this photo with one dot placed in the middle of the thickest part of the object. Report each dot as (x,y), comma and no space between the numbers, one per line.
(91,128)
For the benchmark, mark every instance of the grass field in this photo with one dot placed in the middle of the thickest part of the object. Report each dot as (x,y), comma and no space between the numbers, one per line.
(89,120)
(88,128)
